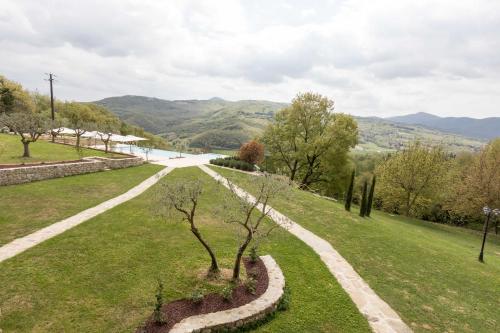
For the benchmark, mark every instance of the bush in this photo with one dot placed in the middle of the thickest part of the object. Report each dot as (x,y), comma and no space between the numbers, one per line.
(233,162)
(252,152)
(197,296)
(251,285)
(158,315)
(284,303)
(253,254)
(227,292)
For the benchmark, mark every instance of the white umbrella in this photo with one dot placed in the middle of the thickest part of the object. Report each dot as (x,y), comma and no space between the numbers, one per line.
(135,138)
(64,130)
(92,134)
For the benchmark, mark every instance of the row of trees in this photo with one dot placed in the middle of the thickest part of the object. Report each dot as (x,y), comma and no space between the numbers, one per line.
(424,181)
(28,115)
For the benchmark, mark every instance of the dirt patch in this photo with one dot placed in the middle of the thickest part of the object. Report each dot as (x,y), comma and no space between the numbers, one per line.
(177,310)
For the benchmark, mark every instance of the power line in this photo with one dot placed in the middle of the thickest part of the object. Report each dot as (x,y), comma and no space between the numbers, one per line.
(51,79)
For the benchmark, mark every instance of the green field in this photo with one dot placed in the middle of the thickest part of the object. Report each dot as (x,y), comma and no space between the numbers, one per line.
(428,273)
(101,275)
(11,151)
(26,208)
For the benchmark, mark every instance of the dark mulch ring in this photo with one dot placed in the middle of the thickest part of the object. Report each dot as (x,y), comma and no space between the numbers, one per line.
(177,310)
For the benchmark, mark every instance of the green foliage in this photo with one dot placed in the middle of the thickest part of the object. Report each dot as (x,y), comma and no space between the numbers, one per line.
(197,295)
(348,197)
(250,285)
(254,256)
(233,162)
(370,196)
(411,178)
(158,315)
(306,135)
(227,292)
(362,207)
(285,300)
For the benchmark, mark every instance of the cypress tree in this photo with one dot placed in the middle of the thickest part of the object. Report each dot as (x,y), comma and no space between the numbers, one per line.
(362,209)
(350,189)
(370,197)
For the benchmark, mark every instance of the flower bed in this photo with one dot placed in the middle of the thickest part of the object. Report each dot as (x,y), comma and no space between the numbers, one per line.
(215,313)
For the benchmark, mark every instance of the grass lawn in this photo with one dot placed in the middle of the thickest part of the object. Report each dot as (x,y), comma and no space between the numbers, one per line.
(11,151)
(427,272)
(101,275)
(26,208)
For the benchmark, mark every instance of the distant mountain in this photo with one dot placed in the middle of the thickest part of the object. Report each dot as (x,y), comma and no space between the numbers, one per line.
(486,128)
(226,124)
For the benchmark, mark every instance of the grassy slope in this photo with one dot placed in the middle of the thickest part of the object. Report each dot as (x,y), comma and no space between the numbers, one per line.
(427,272)
(11,151)
(101,275)
(26,208)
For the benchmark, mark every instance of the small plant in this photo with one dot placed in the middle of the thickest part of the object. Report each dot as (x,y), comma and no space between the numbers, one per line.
(227,292)
(253,273)
(251,285)
(254,256)
(284,303)
(158,315)
(197,296)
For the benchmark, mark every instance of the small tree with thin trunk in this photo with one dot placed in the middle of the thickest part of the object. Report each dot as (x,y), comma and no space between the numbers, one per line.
(249,213)
(348,197)
(182,197)
(362,208)
(370,197)
(106,126)
(28,125)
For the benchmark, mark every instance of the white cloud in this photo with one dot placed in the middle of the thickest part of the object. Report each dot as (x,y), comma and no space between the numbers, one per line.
(372,57)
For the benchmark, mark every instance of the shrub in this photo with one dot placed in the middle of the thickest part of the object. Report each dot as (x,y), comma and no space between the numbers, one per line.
(252,152)
(227,292)
(284,303)
(197,296)
(233,162)
(158,315)
(253,254)
(251,285)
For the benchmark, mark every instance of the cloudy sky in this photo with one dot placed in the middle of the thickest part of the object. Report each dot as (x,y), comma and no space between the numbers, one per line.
(372,57)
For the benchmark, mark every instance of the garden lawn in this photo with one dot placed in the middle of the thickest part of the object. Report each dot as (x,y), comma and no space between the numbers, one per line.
(25,208)
(101,276)
(11,151)
(428,273)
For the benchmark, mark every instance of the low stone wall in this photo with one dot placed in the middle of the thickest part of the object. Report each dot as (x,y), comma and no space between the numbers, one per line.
(232,319)
(27,174)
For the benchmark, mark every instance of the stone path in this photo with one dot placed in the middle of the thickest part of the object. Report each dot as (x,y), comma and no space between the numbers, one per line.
(381,317)
(22,244)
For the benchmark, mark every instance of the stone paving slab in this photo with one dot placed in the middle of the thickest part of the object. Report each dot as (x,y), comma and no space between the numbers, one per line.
(19,245)
(239,316)
(381,317)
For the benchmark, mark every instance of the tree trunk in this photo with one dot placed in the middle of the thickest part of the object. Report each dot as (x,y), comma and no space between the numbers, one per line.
(26,149)
(53,137)
(106,146)
(214,267)
(239,255)
(77,141)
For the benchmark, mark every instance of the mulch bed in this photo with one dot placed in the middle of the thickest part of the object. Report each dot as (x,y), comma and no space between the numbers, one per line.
(177,310)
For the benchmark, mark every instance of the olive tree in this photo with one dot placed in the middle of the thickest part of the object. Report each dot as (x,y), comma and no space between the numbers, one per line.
(249,213)
(106,126)
(28,125)
(182,197)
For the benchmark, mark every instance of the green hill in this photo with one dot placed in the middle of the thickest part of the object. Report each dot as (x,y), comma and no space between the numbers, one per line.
(227,124)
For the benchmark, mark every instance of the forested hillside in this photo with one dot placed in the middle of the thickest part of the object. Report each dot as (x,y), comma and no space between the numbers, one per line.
(227,124)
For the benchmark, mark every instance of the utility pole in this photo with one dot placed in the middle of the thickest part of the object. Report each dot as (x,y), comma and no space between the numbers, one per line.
(51,79)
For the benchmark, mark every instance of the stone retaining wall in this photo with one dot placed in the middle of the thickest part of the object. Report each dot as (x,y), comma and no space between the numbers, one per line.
(232,319)
(27,174)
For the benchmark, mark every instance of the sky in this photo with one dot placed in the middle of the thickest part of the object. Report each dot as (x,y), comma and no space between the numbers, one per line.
(373,58)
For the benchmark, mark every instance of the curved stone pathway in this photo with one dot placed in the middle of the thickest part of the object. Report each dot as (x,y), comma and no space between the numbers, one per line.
(381,317)
(22,244)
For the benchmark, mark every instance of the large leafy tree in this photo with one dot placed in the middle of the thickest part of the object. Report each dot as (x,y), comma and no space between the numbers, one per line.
(305,135)
(412,177)
(478,185)
(13,98)
(80,117)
